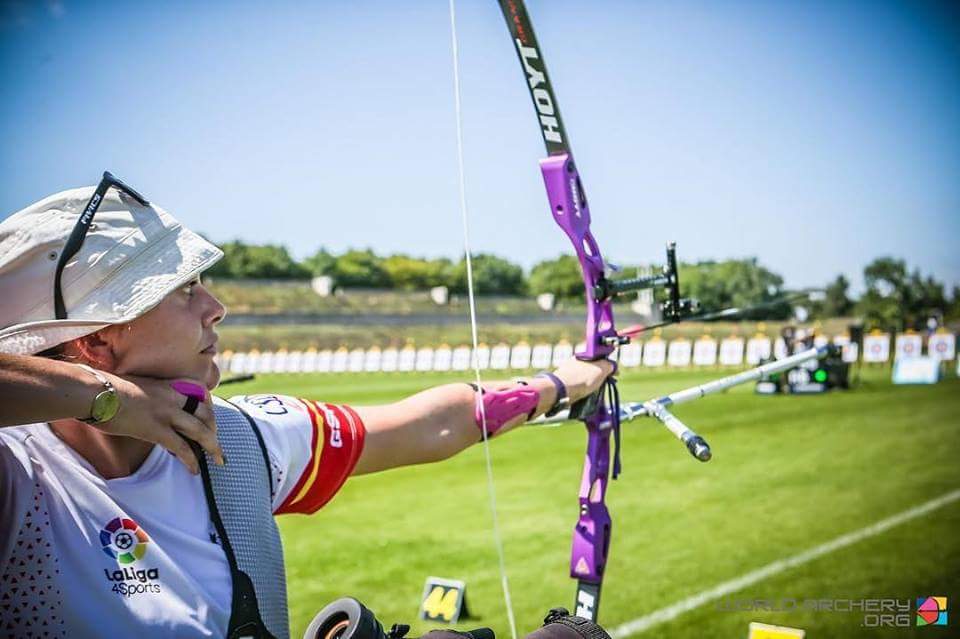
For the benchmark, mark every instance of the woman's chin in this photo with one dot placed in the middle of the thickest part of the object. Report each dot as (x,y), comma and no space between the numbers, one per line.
(212,378)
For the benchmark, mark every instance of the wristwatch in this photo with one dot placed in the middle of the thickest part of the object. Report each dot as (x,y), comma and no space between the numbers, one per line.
(106,403)
(563,401)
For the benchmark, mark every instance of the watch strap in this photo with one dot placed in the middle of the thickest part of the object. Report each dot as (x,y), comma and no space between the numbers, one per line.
(107,388)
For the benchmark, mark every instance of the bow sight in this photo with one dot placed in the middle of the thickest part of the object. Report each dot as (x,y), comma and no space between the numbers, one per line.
(674,308)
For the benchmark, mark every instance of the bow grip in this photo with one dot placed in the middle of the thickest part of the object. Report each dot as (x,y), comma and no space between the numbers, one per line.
(593,403)
(588,406)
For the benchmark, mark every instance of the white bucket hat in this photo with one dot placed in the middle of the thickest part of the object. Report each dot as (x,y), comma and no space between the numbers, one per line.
(133,256)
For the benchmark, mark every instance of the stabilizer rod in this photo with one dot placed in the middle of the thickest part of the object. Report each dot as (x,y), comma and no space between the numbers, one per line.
(753,374)
(658,407)
(694,443)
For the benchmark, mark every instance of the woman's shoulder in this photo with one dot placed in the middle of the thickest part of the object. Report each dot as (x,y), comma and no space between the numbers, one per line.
(270,407)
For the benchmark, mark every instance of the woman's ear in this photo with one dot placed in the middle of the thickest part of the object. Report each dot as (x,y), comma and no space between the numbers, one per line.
(96,349)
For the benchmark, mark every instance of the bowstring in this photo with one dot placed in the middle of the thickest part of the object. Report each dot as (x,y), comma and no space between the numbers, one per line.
(497,539)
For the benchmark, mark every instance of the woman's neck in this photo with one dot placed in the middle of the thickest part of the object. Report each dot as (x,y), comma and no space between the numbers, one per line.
(112,456)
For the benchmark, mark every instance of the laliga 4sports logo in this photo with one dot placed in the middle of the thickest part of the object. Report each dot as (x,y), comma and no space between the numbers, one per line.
(931,611)
(124,540)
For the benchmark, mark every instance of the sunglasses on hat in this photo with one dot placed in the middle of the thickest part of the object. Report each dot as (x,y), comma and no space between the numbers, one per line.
(80,230)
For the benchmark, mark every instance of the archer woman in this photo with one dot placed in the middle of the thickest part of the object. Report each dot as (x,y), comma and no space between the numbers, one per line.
(104,533)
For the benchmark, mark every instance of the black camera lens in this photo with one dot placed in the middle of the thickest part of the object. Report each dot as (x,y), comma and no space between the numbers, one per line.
(345,618)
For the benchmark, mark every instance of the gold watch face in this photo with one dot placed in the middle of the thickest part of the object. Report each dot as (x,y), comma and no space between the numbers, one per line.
(105,406)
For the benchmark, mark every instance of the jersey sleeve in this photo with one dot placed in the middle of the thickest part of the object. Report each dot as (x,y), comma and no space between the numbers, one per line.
(313,447)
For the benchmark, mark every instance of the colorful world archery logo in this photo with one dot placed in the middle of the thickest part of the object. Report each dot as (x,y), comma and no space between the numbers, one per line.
(124,540)
(931,611)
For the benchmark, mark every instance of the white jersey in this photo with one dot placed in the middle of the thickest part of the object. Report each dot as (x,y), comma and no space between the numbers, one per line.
(84,556)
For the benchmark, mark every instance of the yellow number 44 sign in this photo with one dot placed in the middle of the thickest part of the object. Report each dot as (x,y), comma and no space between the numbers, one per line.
(765,631)
(444,600)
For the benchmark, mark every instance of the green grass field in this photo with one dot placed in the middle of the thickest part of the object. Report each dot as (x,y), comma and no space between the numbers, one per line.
(788,474)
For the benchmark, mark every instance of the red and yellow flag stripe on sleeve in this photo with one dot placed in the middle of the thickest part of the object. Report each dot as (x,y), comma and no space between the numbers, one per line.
(336,444)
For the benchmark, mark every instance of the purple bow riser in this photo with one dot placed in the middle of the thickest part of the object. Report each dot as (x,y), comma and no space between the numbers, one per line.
(568,203)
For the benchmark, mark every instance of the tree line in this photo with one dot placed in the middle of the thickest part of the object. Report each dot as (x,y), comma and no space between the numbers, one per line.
(895,298)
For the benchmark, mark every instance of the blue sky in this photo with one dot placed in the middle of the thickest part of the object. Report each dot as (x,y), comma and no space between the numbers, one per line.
(814,135)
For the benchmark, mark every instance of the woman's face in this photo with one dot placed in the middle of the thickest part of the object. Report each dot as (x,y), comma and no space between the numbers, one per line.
(174,339)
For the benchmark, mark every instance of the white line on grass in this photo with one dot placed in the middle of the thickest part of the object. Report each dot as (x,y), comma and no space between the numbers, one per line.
(694,601)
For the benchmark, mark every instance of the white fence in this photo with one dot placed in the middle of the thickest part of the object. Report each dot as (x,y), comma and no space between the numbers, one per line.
(653,353)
